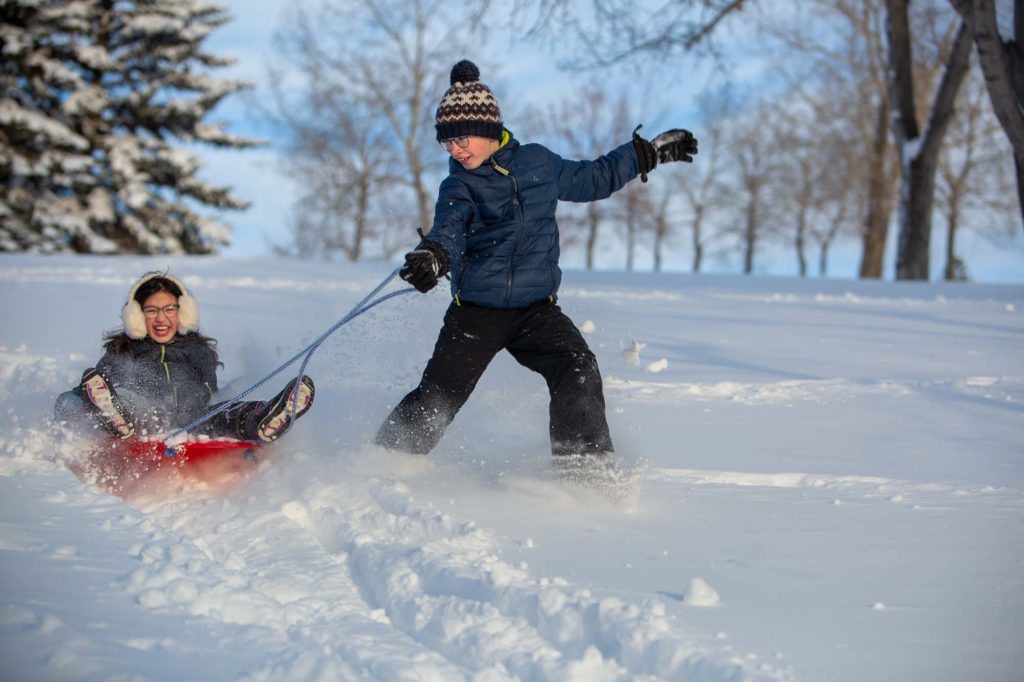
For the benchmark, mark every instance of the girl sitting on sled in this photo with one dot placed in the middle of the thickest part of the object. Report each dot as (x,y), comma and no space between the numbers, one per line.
(159,373)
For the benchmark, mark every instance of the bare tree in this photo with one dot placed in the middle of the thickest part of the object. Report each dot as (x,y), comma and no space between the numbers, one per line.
(919,149)
(840,75)
(586,125)
(797,178)
(632,210)
(752,155)
(973,177)
(616,31)
(840,204)
(1002,63)
(611,31)
(660,217)
(361,115)
(819,190)
(700,187)
(344,167)
(700,198)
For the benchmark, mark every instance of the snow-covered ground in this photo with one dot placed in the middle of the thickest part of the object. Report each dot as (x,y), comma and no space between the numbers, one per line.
(832,489)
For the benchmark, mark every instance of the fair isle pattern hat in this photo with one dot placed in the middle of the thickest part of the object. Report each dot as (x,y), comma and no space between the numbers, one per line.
(468,107)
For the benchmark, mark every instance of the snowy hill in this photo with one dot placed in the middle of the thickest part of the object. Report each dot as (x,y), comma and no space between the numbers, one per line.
(833,489)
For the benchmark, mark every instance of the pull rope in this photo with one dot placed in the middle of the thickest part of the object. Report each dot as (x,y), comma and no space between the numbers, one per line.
(306,353)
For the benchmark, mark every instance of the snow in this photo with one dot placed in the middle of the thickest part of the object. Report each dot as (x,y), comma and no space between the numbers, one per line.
(53,132)
(699,593)
(831,489)
(155,23)
(87,101)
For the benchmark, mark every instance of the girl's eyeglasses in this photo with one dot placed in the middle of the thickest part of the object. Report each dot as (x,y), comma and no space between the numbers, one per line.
(152,311)
(461,142)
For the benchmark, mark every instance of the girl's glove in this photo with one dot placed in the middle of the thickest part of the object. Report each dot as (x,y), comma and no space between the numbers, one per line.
(424,265)
(671,145)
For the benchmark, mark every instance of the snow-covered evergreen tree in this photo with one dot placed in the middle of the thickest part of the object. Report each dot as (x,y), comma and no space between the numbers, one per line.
(97,100)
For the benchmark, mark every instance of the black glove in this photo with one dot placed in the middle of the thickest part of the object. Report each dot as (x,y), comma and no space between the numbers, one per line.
(424,265)
(671,145)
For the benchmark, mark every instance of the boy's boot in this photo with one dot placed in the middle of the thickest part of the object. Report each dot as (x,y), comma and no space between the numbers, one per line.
(100,394)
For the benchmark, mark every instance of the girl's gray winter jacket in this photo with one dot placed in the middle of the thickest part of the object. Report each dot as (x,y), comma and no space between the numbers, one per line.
(166,384)
(498,221)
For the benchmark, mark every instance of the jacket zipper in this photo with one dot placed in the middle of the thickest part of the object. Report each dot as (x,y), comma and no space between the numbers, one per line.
(519,229)
(167,373)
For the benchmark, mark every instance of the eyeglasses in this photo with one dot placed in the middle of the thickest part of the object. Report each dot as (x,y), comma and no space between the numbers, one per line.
(168,310)
(461,142)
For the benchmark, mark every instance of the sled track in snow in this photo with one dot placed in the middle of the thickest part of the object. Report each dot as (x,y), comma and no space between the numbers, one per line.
(358,580)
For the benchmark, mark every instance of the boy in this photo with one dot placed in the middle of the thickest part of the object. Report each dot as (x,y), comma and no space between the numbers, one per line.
(494,230)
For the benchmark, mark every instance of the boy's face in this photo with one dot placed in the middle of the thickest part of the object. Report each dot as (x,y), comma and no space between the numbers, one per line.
(475,153)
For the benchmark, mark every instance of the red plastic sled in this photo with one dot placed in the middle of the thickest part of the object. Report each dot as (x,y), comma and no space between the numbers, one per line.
(181,454)
(118,465)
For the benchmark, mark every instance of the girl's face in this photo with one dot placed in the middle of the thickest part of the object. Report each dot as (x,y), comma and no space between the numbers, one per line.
(474,154)
(161,311)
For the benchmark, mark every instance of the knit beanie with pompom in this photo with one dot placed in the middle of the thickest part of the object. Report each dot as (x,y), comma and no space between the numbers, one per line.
(468,106)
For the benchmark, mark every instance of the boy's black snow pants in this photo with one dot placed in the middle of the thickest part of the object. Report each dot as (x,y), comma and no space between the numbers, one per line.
(540,337)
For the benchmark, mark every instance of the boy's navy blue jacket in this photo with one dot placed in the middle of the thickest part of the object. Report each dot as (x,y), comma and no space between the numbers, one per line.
(498,221)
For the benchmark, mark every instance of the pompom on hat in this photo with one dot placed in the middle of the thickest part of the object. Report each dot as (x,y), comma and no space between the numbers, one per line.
(468,106)
(135,320)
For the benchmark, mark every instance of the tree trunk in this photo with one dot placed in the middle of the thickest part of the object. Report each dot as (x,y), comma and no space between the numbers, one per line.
(698,246)
(424,200)
(876,223)
(919,153)
(630,241)
(1018,163)
(362,222)
(660,233)
(750,237)
(952,222)
(593,222)
(916,196)
(801,241)
(1003,67)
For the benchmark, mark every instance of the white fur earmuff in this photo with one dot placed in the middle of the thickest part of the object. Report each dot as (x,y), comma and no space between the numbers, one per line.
(135,321)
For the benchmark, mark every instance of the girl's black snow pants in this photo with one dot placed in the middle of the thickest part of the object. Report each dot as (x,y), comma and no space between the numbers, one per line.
(540,337)
(239,421)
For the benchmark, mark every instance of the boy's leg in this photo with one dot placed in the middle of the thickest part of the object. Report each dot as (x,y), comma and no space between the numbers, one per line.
(468,341)
(548,342)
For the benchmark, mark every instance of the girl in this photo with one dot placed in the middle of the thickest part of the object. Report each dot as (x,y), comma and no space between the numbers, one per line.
(159,373)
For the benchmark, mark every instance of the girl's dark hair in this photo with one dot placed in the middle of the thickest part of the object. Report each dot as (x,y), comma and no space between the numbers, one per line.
(116,341)
(155,285)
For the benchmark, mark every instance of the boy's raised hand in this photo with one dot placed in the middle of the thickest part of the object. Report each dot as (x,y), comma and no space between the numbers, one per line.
(675,145)
(671,145)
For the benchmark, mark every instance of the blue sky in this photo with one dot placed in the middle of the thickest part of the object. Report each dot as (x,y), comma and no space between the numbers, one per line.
(526,71)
